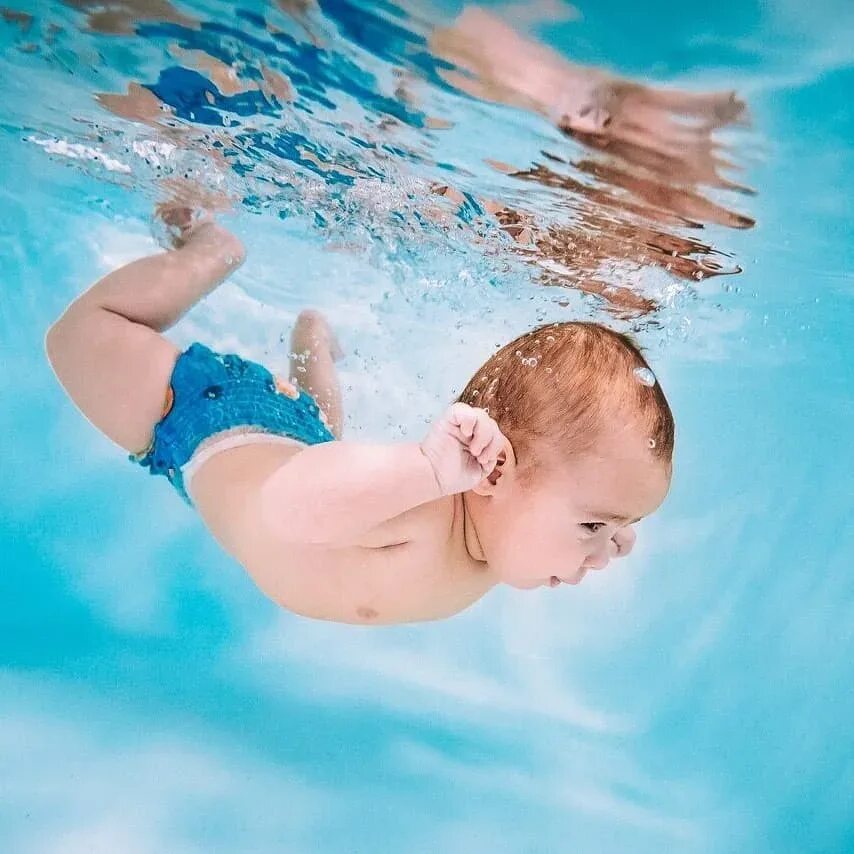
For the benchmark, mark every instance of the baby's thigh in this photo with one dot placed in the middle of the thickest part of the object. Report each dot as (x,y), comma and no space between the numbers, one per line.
(116,371)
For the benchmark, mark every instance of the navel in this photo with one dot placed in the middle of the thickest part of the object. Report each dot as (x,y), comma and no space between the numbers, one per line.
(365,613)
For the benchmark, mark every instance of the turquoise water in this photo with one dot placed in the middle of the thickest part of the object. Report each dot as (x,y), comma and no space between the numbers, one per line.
(696,697)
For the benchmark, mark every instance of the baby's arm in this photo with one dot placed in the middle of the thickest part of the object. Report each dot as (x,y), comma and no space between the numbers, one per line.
(332,493)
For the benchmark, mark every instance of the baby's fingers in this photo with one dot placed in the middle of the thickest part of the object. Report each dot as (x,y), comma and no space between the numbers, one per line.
(489,457)
(478,432)
(465,417)
(484,432)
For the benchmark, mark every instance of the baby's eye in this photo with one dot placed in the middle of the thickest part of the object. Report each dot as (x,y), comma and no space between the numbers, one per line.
(593,527)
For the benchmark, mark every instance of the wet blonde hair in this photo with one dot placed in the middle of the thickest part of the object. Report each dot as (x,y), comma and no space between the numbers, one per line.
(556,387)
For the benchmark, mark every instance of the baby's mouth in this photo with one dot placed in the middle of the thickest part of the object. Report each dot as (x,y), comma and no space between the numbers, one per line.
(554,581)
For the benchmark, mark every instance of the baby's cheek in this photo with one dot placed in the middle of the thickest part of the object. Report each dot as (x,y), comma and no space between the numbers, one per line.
(572,557)
(555,547)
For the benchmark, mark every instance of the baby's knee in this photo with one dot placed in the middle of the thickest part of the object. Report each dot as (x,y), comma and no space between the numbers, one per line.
(311,317)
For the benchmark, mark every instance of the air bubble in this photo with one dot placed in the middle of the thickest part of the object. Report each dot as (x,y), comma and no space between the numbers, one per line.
(645,376)
(651,443)
(550,338)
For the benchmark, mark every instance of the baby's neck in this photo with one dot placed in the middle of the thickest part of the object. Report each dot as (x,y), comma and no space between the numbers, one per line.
(470,537)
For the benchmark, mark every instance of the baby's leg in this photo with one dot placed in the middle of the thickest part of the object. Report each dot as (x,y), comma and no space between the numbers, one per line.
(315,351)
(106,349)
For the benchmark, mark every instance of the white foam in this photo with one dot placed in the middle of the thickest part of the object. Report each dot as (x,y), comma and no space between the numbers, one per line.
(77,151)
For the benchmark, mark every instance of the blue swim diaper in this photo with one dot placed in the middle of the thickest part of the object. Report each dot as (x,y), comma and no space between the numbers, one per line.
(210,393)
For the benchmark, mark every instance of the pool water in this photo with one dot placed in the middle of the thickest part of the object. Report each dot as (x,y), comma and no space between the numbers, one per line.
(415,172)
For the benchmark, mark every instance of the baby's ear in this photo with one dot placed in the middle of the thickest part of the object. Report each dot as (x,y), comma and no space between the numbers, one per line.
(506,461)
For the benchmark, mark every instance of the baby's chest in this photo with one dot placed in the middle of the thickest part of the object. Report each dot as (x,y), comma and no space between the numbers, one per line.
(406,582)
(396,584)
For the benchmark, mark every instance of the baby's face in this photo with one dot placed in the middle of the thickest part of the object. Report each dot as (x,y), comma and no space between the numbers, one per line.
(562,524)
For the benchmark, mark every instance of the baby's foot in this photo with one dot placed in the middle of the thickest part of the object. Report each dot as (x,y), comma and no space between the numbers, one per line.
(174,223)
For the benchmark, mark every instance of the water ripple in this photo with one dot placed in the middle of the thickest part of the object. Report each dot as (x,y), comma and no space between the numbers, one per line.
(399,134)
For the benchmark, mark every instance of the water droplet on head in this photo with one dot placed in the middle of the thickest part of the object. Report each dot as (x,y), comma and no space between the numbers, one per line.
(651,443)
(645,376)
(550,338)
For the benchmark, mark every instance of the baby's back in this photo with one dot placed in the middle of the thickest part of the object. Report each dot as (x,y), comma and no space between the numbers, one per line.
(416,569)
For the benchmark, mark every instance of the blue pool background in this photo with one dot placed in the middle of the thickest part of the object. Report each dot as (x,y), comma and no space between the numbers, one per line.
(695,698)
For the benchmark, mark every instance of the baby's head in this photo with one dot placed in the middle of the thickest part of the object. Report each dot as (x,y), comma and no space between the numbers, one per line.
(590,443)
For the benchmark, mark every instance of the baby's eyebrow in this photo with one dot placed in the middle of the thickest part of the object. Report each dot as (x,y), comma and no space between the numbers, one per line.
(614,517)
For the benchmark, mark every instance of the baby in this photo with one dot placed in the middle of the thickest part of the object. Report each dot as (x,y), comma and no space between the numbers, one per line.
(558,444)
